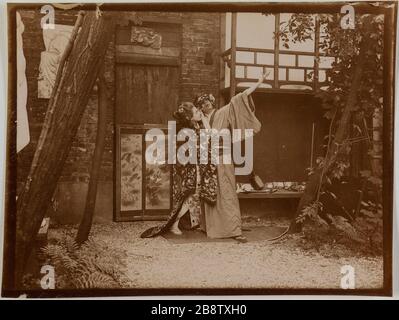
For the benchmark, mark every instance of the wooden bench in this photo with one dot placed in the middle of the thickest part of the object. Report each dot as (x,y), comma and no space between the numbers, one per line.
(280,194)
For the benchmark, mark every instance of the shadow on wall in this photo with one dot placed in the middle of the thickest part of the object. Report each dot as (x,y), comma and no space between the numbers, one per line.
(268,208)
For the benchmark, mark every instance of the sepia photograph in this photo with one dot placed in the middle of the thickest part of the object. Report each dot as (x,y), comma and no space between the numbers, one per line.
(199,149)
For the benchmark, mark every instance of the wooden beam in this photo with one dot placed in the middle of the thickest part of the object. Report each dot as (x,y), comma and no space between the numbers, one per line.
(270,195)
(122,57)
(327,7)
(147,51)
(316,53)
(272,66)
(233,54)
(254,65)
(312,146)
(271,51)
(276,48)
(91,196)
(64,113)
(265,91)
(222,63)
(388,128)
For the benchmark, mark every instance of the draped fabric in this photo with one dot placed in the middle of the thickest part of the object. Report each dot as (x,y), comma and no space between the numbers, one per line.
(223,220)
(23,136)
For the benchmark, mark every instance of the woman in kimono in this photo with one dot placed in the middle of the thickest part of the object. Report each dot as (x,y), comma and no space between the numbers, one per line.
(223,220)
(192,183)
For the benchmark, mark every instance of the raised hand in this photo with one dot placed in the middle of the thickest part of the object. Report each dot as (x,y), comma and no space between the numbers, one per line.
(264,76)
(257,84)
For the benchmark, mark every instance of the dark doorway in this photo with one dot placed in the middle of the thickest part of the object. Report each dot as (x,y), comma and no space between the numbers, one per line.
(290,138)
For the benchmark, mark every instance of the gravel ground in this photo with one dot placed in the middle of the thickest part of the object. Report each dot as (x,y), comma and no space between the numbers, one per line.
(158,263)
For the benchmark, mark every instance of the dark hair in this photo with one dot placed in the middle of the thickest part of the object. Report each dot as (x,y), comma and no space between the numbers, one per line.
(184,114)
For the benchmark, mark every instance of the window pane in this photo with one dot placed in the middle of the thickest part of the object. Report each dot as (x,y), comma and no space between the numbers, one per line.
(255,30)
(296,75)
(265,58)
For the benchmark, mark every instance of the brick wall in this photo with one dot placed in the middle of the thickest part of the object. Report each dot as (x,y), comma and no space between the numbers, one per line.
(201,34)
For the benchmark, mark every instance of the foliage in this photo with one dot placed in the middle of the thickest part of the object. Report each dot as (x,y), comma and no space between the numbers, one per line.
(300,27)
(311,212)
(30,281)
(363,235)
(92,265)
(344,46)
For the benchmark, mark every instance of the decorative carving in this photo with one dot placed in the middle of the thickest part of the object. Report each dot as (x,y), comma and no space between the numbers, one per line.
(146,37)
(55,41)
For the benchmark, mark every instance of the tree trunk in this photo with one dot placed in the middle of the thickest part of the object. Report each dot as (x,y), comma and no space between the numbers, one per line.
(312,185)
(85,224)
(75,81)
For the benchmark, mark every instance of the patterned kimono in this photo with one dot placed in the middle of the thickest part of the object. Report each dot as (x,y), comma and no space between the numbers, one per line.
(223,220)
(192,184)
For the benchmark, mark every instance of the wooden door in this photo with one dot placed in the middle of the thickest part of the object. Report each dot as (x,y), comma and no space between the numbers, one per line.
(146,94)
(147,91)
(147,76)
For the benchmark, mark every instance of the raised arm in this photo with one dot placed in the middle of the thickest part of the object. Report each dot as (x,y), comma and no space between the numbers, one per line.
(257,84)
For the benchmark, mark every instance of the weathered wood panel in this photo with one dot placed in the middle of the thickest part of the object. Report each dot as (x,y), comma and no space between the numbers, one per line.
(165,51)
(146,94)
(128,58)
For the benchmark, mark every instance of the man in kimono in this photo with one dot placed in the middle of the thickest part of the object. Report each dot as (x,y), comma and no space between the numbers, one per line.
(223,220)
